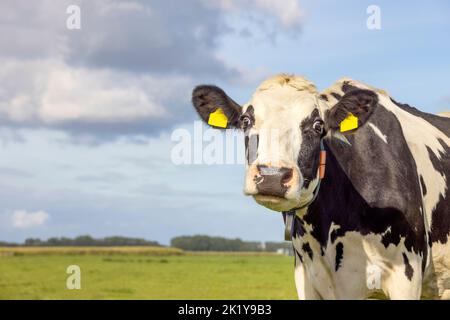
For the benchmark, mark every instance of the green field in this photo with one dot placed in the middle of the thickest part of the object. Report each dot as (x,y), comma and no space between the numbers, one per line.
(143,276)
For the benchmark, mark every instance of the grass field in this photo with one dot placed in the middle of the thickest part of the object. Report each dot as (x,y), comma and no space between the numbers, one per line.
(136,274)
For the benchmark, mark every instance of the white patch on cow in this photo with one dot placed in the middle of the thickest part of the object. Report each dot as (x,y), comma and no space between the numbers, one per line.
(378,132)
(299,277)
(441,263)
(339,136)
(369,250)
(305,289)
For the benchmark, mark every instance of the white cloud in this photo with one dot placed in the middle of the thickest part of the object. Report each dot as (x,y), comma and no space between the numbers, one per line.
(55,93)
(22,219)
(91,95)
(287,12)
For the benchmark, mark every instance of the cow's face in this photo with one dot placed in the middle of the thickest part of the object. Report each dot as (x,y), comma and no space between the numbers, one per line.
(283,126)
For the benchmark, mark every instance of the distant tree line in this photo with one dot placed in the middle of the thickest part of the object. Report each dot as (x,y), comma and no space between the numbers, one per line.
(189,243)
(207,243)
(84,240)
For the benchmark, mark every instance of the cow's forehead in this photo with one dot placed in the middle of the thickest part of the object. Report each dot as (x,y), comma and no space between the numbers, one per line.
(281,106)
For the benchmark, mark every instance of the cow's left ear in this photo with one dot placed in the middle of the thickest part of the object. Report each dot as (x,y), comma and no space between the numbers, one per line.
(352,110)
(215,107)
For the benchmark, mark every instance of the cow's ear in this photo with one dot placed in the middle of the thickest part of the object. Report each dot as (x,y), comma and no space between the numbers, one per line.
(215,107)
(352,110)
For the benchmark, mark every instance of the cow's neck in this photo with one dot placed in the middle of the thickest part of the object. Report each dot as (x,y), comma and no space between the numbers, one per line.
(369,188)
(332,204)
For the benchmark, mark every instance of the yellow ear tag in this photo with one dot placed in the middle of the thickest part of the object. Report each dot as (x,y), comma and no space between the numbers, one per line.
(218,119)
(349,123)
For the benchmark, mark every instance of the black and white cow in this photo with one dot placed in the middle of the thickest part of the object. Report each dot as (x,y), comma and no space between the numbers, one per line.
(383,207)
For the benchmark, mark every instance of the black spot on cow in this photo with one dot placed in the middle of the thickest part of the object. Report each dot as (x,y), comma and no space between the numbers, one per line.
(409,271)
(339,255)
(308,158)
(425,254)
(307,249)
(299,228)
(346,87)
(388,238)
(299,256)
(337,96)
(424,187)
(440,226)
(323,97)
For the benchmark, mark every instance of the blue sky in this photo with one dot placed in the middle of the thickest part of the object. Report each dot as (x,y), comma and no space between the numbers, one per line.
(86,115)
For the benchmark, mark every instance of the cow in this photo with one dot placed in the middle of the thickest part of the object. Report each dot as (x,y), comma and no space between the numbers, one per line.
(376,221)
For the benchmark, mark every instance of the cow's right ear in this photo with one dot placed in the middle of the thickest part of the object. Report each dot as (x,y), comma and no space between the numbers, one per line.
(215,107)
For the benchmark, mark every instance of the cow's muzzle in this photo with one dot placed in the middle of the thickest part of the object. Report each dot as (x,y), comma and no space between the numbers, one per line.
(273,181)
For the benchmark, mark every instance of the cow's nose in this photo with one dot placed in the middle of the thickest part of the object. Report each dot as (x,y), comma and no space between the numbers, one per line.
(272,181)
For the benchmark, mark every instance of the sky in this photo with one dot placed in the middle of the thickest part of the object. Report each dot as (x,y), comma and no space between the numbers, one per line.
(88,115)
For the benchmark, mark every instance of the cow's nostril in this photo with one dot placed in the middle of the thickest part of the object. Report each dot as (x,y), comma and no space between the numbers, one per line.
(258,179)
(287,177)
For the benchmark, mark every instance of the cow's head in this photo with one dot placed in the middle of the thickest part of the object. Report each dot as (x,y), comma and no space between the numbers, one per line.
(283,124)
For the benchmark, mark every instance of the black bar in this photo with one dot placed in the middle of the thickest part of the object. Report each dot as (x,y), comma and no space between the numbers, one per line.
(231,309)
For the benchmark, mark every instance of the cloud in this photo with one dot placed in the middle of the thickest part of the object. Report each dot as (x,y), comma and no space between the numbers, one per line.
(139,36)
(128,71)
(22,219)
(287,12)
(82,101)
(157,36)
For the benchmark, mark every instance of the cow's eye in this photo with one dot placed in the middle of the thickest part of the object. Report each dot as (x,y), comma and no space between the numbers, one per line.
(318,126)
(246,122)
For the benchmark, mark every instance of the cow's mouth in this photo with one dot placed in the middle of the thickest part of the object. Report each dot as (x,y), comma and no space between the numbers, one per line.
(274,202)
(262,199)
